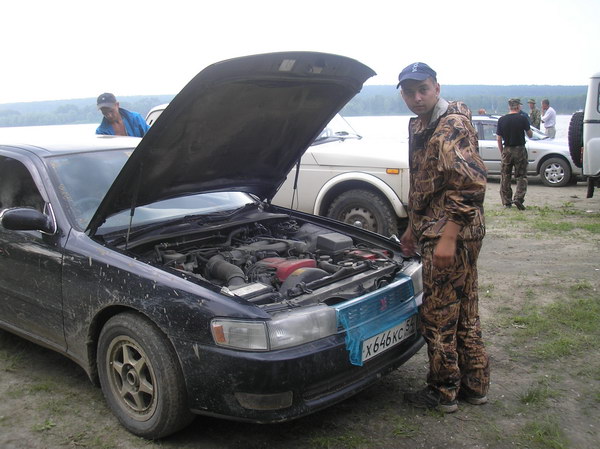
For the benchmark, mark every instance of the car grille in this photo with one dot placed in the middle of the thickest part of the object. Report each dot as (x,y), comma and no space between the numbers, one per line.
(370,314)
(385,302)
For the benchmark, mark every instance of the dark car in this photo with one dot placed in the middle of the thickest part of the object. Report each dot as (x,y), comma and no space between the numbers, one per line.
(161,267)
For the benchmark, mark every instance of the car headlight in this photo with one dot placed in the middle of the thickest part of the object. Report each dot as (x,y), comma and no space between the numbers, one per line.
(285,330)
(250,335)
(415,271)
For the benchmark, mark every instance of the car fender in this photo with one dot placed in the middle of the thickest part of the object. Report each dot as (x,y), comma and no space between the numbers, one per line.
(378,184)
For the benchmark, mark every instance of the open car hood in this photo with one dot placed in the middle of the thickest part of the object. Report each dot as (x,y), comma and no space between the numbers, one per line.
(239,125)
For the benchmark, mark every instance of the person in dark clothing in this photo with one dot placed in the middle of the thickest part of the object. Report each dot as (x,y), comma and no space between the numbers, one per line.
(510,132)
(445,218)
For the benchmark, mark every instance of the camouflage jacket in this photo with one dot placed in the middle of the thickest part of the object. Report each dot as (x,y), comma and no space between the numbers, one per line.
(447,175)
(535,118)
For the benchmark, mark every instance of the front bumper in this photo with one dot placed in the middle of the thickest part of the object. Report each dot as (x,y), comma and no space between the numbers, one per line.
(281,385)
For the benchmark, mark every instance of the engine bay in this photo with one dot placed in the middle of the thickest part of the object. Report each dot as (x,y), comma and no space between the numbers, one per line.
(281,259)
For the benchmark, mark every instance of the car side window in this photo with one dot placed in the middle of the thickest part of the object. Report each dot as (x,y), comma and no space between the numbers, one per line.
(489,131)
(17,188)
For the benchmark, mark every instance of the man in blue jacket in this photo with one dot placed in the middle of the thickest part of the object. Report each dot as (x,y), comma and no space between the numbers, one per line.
(118,121)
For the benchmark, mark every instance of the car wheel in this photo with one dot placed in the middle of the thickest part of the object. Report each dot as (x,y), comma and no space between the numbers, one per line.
(366,210)
(141,377)
(576,138)
(555,172)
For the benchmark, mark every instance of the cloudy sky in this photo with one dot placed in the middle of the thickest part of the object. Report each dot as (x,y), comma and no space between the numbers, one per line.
(66,49)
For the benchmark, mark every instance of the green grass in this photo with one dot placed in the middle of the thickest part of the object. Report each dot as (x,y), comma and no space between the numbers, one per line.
(546,220)
(537,394)
(349,441)
(546,434)
(487,290)
(10,361)
(403,428)
(563,328)
(46,425)
(590,371)
(45,387)
(594,228)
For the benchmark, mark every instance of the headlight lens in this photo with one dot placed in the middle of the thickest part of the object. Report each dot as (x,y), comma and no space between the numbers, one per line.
(415,271)
(251,335)
(283,331)
(298,327)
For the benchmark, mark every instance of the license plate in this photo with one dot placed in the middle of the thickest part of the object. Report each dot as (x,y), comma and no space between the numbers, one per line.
(388,339)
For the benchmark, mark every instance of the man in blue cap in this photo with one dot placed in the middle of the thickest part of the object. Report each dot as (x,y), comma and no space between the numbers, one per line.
(445,211)
(118,121)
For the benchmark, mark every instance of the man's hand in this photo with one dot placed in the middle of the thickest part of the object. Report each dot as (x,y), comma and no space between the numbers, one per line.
(408,242)
(445,250)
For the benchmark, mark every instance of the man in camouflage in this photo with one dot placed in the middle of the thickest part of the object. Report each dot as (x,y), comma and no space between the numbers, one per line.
(510,134)
(535,116)
(445,209)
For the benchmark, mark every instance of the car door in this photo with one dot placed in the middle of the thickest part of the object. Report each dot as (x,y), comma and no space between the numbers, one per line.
(488,145)
(30,261)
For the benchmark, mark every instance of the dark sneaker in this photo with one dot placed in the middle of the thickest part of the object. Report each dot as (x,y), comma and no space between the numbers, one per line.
(473,399)
(519,205)
(507,206)
(430,398)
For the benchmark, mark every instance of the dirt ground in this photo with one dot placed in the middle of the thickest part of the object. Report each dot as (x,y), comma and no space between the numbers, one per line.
(533,263)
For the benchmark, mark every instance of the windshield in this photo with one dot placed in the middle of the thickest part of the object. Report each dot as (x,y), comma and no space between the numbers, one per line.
(83,179)
(537,134)
(488,130)
(338,128)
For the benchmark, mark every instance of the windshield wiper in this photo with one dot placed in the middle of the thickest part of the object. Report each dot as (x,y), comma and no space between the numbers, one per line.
(226,214)
(196,219)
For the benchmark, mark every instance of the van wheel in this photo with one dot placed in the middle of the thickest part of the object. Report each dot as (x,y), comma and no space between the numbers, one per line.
(576,138)
(141,378)
(366,210)
(555,172)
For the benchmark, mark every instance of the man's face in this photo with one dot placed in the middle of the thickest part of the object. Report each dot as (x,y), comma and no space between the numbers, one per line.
(545,106)
(532,106)
(111,113)
(420,96)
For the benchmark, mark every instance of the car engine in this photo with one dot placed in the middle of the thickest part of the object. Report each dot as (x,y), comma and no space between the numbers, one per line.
(279,260)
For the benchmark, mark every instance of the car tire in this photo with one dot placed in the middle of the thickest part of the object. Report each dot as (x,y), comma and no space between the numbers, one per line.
(576,138)
(555,172)
(141,377)
(365,209)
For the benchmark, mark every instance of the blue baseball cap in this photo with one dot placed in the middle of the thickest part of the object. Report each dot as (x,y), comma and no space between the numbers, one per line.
(416,71)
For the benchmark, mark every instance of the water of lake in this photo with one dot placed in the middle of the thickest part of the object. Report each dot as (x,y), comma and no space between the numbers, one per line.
(397,126)
(380,127)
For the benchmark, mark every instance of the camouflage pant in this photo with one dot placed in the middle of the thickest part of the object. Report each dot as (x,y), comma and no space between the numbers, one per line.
(449,320)
(513,157)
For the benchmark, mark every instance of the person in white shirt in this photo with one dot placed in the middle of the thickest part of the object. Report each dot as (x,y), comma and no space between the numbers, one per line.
(549,118)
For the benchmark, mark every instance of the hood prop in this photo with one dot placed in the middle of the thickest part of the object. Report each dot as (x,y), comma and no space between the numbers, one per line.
(295,189)
(134,197)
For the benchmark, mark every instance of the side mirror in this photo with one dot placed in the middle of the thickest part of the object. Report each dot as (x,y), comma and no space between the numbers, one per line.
(26,219)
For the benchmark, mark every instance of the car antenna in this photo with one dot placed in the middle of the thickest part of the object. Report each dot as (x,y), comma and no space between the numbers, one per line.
(134,197)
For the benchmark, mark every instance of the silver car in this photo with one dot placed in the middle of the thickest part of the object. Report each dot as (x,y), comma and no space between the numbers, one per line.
(548,158)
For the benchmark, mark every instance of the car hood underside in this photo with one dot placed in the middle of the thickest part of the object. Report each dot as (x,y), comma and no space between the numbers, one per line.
(239,125)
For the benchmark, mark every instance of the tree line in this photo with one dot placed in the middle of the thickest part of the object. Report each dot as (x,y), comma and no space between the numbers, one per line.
(372,100)
(385,100)
(67,112)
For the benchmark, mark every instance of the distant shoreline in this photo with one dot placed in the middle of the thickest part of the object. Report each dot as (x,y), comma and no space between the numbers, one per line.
(375,100)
